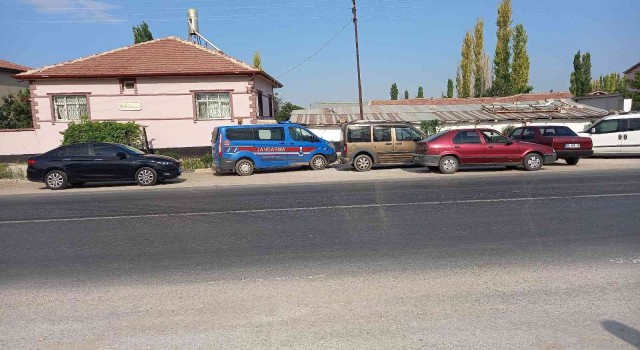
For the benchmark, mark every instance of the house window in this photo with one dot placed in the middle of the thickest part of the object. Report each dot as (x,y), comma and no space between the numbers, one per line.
(129,86)
(260,106)
(213,105)
(70,107)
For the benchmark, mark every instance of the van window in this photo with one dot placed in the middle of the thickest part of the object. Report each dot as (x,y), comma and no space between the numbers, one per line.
(634,124)
(608,126)
(528,134)
(240,134)
(381,134)
(407,134)
(300,134)
(269,134)
(359,134)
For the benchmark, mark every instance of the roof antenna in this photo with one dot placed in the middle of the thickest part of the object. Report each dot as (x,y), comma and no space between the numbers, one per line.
(194,31)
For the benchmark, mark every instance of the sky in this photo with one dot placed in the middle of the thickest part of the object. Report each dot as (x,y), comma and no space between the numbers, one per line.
(409,42)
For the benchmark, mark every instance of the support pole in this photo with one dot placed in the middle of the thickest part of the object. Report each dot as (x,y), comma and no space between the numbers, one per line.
(355,26)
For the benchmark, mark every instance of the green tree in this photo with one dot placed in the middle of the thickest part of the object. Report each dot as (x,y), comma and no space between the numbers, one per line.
(450,88)
(586,73)
(406,94)
(501,60)
(458,82)
(580,81)
(466,66)
(430,127)
(575,83)
(420,92)
(394,91)
(141,33)
(257,61)
(15,111)
(284,112)
(478,59)
(610,83)
(520,73)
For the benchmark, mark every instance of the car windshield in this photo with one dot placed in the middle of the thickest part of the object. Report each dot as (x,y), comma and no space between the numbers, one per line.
(131,150)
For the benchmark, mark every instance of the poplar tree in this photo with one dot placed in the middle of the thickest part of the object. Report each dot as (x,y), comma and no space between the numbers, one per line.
(501,60)
(580,81)
(478,58)
(257,61)
(394,91)
(520,72)
(420,92)
(458,82)
(466,66)
(406,94)
(450,88)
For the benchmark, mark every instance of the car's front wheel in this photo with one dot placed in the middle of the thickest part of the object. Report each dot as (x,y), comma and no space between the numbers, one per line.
(146,176)
(244,167)
(56,180)
(533,162)
(572,160)
(448,165)
(318,162)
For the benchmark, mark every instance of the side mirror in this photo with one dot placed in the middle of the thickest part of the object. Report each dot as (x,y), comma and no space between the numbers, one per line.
(509,142)
(592,131)
(121,155)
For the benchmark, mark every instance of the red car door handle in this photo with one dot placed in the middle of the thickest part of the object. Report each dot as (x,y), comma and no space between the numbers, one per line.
(456,147)
(490,146)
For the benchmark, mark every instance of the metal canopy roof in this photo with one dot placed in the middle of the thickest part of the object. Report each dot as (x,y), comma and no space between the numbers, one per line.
(451,114)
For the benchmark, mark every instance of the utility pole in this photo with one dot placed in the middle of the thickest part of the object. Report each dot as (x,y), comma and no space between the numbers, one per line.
(355,26)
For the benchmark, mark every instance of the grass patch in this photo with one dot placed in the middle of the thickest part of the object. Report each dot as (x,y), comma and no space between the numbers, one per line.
(192,163)
(6,172)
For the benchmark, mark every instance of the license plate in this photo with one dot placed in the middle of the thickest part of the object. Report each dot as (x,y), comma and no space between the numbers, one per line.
(572,145)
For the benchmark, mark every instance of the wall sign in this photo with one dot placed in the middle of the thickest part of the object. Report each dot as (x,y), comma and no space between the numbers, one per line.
(130,106)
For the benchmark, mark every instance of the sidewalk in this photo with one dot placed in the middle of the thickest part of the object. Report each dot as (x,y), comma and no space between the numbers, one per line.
(335,173)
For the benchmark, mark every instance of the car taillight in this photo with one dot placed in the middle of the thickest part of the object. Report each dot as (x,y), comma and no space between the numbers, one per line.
(344,149)
(220,146)
(31,162)
(422,147)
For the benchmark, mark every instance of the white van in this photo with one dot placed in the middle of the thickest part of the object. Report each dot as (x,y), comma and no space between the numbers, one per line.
(615,135)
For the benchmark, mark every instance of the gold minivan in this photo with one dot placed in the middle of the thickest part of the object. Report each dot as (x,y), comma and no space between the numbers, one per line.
(367,143)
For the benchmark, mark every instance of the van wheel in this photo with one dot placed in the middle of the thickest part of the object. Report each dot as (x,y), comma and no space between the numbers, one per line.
(533,162)
(318,162)
(572,160)
(448,165)
(244,167)
(362,163)
(56,180)
(146,176)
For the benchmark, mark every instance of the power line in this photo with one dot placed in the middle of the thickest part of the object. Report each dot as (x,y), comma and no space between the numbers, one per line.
(318,51)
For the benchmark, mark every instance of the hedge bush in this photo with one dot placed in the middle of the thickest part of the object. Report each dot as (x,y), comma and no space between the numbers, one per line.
(87,131)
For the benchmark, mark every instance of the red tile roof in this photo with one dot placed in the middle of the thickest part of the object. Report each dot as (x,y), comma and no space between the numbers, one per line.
(170,56)
(6,65)
(479,100)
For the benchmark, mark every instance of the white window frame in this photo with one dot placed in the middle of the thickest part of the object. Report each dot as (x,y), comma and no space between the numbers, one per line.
(66,101)
(218,105)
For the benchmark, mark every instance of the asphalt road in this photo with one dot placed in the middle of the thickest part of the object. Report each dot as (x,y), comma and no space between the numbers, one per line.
(528,260)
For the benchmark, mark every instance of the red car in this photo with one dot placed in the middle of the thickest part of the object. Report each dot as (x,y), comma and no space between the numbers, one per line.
(447,150)
(568,145)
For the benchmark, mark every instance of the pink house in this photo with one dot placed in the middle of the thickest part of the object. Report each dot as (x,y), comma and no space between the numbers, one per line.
(177,89)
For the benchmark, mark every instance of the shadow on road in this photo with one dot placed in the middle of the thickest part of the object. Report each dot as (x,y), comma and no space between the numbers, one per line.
(622,331)
(118,184)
